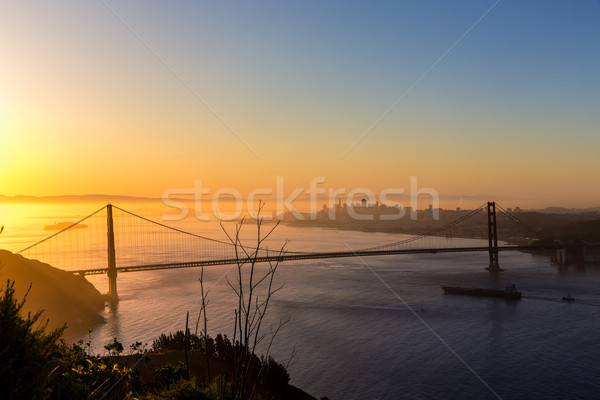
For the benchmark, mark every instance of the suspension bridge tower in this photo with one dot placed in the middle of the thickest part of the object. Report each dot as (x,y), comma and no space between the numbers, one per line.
(112,258)
(492,238)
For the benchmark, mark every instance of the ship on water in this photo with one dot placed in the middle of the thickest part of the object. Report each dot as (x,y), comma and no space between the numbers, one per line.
(64,225)
(508,293)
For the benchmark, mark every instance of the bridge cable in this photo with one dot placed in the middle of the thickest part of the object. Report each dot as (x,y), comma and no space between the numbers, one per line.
(430,233)
(412,239)
(61,231)
(519,222)
(172,228)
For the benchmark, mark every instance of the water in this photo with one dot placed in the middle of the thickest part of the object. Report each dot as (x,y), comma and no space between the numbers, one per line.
(356,338)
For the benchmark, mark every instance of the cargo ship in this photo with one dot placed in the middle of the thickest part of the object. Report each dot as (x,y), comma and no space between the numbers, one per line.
(509,293)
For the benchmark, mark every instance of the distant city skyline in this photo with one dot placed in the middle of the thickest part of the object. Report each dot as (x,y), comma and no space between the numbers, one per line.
(493,98)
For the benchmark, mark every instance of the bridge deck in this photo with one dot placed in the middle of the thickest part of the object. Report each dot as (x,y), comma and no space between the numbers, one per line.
(312,256)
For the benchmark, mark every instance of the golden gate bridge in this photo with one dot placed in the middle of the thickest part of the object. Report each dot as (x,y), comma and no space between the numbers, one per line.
(117,241)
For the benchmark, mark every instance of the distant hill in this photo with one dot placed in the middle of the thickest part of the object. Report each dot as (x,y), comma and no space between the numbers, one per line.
(66,298)
(562,210)
(73,198)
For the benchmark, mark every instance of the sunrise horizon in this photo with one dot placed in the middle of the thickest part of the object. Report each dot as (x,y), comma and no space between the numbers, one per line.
(448,201)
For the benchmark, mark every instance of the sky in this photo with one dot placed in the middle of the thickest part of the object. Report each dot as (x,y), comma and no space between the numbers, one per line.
(474,98)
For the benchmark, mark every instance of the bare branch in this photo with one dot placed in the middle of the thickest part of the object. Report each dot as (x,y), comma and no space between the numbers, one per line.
(232,287)
(274,334)
(254,290)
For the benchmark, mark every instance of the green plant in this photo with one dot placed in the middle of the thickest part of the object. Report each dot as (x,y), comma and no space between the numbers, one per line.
(114,348)
(29,353)
(36,364)
(168,374)
(138,348)
(181,390)
(176,341)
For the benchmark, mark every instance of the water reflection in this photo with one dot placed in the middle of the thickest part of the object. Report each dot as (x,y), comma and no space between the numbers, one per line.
(113,320)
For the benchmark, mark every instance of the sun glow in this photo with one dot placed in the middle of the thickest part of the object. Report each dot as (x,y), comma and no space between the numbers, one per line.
(97,112)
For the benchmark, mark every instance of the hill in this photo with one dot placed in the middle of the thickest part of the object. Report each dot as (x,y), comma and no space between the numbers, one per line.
(66,298)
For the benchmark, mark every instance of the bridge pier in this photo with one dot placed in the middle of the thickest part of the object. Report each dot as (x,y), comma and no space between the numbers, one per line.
(112,259)
(494,267)
(575,253)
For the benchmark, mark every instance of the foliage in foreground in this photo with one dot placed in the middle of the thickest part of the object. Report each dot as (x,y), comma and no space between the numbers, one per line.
(265,372)
(37,364)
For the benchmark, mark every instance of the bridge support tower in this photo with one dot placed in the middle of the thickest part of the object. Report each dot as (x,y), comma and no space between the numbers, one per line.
(492,238)
(112,259)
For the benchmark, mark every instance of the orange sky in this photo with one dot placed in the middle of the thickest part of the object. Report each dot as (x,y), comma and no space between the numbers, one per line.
(88,105)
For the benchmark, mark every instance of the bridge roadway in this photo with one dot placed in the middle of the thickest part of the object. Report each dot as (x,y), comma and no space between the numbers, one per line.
(312,256)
